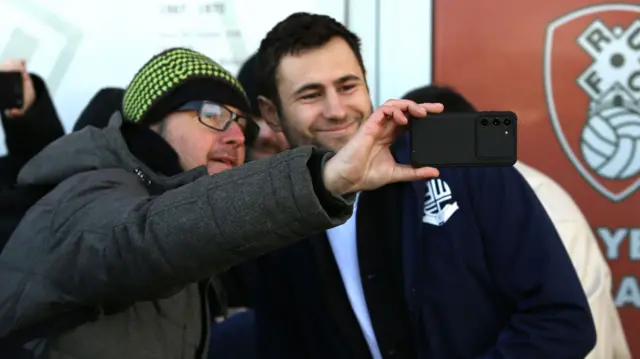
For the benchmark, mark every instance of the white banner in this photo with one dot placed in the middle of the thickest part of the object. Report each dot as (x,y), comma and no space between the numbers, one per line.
(79,47)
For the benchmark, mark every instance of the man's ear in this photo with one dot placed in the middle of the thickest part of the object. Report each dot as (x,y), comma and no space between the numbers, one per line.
(269,112)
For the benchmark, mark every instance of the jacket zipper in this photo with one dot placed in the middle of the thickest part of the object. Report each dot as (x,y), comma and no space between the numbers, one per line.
(202,285)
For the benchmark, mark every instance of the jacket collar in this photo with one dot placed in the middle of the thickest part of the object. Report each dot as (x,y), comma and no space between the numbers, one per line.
(171,178)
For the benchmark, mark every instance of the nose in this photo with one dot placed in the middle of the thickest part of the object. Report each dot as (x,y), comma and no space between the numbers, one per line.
(333,107)
(233,135)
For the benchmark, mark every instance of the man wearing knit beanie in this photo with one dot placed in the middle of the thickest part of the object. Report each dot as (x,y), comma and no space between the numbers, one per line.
(116,261)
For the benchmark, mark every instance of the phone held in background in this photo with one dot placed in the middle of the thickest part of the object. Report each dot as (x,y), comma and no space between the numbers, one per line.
(488,138)
(11,91)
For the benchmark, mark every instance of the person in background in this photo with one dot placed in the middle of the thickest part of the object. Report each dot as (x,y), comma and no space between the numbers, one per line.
(100,108)
(17,200)
(116,261)
(465,266)
(574,230)
(268,142)
(29,129)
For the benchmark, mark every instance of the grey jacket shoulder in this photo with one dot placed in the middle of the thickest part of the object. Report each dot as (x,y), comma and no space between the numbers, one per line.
(100,239)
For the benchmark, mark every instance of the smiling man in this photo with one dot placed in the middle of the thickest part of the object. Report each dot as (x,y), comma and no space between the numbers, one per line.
(492,281)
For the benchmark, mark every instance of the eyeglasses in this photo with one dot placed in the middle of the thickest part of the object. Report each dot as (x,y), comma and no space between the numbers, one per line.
(215,116)
(219,117)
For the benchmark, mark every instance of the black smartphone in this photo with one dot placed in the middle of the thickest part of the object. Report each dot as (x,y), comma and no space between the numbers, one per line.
(465,139)
(10,90)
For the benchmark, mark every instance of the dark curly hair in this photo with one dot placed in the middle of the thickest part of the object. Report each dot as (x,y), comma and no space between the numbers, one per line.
(298,32)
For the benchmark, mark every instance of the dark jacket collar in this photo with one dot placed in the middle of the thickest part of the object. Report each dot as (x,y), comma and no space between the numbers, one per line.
(151,149)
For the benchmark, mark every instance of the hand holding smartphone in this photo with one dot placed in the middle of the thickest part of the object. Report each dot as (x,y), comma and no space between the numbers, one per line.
(11,90)
(487,138)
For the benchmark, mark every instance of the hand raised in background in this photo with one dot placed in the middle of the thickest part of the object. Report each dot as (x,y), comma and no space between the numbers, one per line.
(28,90)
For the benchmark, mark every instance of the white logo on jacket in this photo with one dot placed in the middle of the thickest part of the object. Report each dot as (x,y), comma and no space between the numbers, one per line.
(438,203)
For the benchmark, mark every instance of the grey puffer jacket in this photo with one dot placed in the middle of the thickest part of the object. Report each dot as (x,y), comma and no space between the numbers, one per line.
(101,240)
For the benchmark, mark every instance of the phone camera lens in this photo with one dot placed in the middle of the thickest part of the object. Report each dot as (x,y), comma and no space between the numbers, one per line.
(484,122)
(507,122)
(496,122)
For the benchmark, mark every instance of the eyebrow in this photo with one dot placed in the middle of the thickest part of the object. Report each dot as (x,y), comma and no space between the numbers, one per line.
(319,86)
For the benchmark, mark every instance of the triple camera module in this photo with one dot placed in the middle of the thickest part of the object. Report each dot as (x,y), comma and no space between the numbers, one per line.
(496,122)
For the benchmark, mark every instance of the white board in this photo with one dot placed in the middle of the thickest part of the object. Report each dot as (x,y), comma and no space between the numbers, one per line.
(79,47)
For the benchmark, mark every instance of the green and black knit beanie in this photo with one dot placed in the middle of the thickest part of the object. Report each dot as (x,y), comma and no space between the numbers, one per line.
(174,77)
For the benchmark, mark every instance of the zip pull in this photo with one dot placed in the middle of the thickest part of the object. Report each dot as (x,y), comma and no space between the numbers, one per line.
(152,187)
(143,177)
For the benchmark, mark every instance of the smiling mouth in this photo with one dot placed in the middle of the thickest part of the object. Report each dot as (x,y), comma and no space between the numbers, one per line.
(338,128)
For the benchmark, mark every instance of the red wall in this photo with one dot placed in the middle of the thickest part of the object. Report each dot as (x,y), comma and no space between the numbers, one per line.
(494,52)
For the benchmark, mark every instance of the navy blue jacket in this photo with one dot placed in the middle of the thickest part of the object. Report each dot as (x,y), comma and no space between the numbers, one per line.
(493,281)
